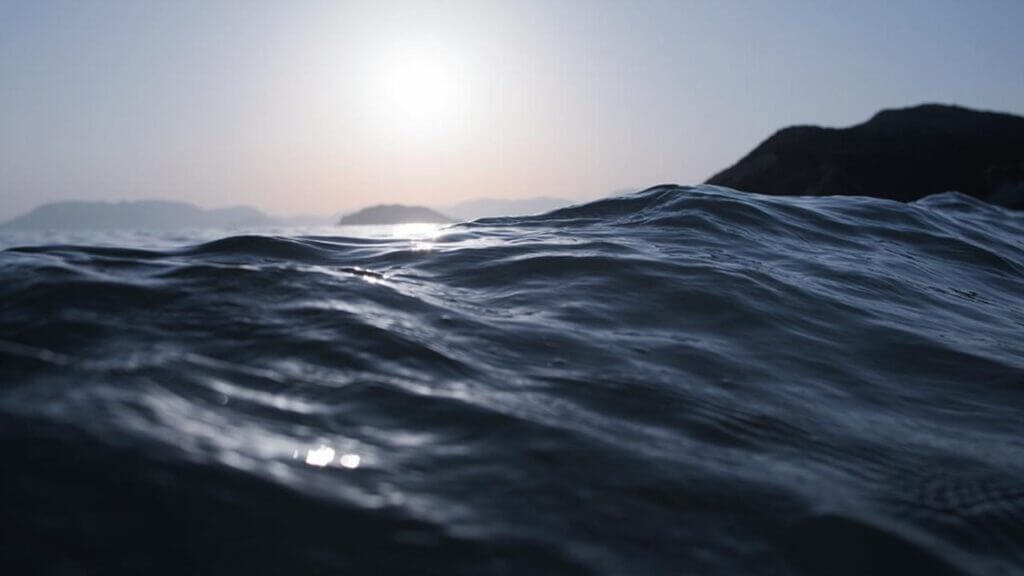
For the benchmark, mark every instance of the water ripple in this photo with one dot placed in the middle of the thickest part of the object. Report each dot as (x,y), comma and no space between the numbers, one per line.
(681,380)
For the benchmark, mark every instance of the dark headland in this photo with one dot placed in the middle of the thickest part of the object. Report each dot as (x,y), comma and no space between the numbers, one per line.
(902,154)
(394,214)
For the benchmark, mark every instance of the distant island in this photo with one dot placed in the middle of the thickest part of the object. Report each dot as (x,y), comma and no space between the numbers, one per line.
(383,214)
(137,215)
(902,154)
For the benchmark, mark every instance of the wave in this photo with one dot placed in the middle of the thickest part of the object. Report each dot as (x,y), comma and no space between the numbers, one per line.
(680,380)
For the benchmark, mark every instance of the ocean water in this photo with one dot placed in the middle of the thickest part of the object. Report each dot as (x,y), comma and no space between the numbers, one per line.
(678,381)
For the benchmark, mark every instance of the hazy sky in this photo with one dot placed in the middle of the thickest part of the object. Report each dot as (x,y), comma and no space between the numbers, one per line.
(321,106)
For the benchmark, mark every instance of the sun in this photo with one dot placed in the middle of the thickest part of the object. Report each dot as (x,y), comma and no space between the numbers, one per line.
(421,92)
(419,88)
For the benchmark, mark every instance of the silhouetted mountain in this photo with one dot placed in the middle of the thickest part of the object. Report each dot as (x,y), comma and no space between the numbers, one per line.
(495,207)
(139,215)
(902,154)
(393,214)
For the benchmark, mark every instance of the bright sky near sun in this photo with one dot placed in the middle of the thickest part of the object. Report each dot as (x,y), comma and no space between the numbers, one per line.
(323,106)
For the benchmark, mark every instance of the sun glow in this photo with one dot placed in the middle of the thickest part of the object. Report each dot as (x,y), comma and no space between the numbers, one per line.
(419,88)
(421,93)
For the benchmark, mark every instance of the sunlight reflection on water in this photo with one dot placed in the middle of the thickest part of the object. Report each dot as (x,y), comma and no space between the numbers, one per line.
(421,235)
(320,456)
(413,231)
(350,461)
(323,455)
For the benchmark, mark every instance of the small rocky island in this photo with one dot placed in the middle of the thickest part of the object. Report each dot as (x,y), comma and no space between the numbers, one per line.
(384,214)
(901,154)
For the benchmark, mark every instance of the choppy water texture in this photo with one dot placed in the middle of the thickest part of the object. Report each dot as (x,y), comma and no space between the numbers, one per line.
(680,381)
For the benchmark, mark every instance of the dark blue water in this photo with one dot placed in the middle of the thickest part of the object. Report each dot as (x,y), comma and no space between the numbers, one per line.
(680,381)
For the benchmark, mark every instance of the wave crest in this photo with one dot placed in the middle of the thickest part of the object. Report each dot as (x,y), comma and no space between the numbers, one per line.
(664,381)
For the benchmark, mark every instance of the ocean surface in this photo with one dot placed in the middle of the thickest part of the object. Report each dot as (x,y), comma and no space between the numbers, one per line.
(677,381)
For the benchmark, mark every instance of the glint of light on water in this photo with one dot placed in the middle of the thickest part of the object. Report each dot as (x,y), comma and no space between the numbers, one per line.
(323,456)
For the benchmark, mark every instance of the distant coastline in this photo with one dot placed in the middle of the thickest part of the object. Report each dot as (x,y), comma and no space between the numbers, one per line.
(138,215)
(899,154)
(170,215)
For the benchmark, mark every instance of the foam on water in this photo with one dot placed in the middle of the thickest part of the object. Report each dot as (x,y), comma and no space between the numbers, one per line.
(682,380)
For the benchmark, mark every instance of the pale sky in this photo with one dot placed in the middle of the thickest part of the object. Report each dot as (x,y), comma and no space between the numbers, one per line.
(325,106)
